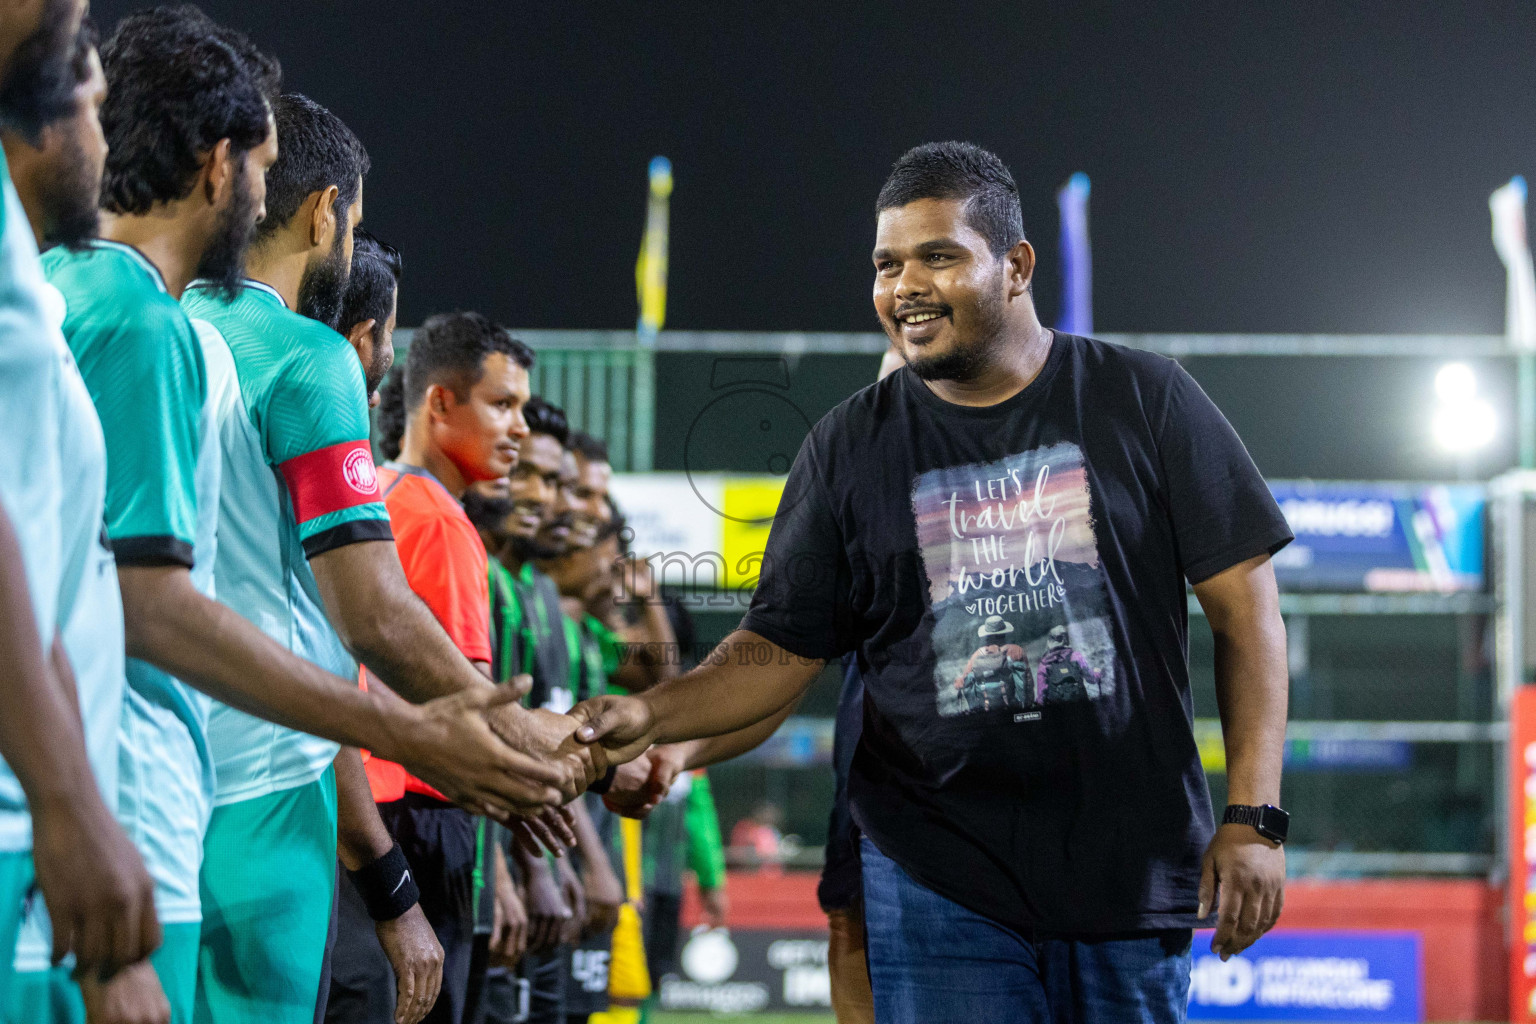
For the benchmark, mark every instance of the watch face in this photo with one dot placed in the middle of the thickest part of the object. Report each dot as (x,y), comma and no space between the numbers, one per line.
(1273,823)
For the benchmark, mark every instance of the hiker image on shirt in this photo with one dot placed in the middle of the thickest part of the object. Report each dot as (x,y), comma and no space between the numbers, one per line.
(997,674)
(1064,674)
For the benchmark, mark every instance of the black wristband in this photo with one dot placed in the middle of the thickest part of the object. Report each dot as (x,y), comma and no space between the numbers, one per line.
(386,885)
(605,783)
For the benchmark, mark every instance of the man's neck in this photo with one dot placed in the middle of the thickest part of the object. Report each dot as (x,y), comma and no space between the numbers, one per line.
(417,449)
(1018,361)
(173,243)
(279,265)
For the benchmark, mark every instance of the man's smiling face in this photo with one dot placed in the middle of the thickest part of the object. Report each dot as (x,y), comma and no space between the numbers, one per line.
(939,291)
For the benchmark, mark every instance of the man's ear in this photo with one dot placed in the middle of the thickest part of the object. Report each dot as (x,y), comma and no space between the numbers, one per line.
(322,219)
(1021,268)
(361,336)
(439,400)
(218,171)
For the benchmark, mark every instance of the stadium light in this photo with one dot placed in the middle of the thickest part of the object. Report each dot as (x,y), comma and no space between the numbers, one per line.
(1462,422)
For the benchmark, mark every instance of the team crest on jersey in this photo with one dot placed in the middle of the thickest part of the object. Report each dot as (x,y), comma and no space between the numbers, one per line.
(359,473)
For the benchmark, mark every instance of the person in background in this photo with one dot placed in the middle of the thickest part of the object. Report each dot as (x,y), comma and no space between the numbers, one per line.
(528,621)
(841,889)
(757,838)
(370,306)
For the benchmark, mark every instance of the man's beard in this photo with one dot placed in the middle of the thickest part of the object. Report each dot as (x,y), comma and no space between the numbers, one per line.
(223,262)
(40,87)
(325,286)
(968,360)
(375,373)
(70,215)
(487,514)
(548,548)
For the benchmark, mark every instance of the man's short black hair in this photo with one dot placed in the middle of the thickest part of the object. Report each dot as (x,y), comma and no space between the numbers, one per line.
(315,150)
(177,83)
(546,418)
(389,424)
(959,170)
(370,294)
(450,349)
(588,447)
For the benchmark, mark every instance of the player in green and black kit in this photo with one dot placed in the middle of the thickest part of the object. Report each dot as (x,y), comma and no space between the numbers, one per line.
(521,519)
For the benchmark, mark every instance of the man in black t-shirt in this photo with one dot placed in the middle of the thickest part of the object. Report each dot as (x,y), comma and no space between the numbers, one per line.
(1045,855)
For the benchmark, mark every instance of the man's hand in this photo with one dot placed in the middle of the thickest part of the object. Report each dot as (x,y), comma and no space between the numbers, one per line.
(100,898)
(548,913)
(623,726)
(716,905)
(449,744)
(1244,876)
(550,737)
(551,829)
(509,922)
(131,996)
(414,953)
(630,793)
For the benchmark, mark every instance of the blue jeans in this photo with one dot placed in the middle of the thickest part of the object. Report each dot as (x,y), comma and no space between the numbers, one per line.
(932,961)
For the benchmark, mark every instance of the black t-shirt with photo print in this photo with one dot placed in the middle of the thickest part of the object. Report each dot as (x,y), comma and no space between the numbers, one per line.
(1012,580)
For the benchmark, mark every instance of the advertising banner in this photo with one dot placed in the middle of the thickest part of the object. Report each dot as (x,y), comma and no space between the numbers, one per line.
(1311,976)
(1353,537)
(726,971)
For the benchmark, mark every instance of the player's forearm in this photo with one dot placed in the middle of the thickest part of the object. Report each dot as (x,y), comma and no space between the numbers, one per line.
(171,625)
(361,837)
(746,680)
(41,737)
(588,844)
(386,626)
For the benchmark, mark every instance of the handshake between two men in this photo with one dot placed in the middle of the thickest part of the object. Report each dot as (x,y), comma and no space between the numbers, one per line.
(519,766)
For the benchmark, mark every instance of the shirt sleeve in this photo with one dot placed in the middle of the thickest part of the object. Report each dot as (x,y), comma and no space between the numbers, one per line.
(1222,510)
(706,852)
(316,434)
(446,568)
(149,385)
(801,601)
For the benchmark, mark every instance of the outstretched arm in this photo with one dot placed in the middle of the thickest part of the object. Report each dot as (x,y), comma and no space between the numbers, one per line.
(172,625)
(748,678)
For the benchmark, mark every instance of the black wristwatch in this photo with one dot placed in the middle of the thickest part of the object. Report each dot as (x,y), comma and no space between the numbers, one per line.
(1269,821)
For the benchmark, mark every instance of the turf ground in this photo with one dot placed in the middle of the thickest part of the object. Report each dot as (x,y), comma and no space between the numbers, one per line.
(754,1018)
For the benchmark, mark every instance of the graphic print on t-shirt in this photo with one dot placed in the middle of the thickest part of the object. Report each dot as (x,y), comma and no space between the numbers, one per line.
(1019,600)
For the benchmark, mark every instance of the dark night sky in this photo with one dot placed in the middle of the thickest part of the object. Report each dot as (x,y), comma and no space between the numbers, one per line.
(1256,167)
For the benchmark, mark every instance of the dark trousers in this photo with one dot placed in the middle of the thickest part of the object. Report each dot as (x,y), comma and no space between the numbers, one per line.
(438,841)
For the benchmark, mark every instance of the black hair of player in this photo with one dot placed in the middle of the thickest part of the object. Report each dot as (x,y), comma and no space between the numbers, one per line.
(450,349)
(965,171)
(376,268)
(389,417)
(39,84)
(315,150)
(588,447)
(177,83)
(546,418)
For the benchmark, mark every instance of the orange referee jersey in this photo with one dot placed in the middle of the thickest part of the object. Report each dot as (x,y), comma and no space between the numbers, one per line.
(445,565)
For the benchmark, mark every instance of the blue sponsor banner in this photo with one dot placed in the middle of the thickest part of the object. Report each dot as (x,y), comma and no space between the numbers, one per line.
(1332,976)
(1381,537)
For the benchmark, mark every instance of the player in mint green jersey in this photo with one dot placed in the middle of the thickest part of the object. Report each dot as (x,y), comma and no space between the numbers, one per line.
(183,190)
(50,487)
(305,545)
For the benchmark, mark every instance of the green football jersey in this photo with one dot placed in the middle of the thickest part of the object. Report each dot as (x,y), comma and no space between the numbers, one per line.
(298,480)
(155,394)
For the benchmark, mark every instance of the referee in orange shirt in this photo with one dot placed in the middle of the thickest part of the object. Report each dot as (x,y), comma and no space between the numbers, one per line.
(466,381)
